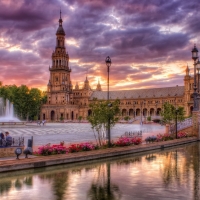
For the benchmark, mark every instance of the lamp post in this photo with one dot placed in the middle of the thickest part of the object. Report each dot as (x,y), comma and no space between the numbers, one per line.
(108,64)
(176,112)
(195,57)
(198,71)
(134,109)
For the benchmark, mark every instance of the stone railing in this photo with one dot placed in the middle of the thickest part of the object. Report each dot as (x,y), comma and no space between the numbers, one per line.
(184,124)
(181,125)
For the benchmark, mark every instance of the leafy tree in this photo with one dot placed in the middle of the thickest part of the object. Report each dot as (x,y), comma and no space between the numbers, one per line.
(126,118)
(149,118)
(27,102)
(80,118)
(169,113)
(101,113)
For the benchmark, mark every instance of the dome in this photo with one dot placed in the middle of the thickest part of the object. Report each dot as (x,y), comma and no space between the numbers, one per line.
(60,31)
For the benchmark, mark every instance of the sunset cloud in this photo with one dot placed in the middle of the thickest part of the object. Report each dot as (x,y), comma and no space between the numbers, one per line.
(149,42)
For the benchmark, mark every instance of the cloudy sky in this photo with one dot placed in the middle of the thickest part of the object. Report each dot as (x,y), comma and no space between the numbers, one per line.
(149,41)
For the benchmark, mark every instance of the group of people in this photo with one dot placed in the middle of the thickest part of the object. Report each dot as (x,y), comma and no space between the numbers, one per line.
(5,139)
(41,122)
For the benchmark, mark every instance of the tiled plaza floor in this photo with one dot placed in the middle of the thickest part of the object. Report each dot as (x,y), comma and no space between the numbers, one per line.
(54,133)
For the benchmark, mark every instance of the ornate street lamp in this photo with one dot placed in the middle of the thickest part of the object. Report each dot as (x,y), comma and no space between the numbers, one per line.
(198,71)
(195,57)
(108,64)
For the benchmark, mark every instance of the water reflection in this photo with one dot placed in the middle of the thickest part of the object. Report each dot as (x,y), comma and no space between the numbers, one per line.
(171,173)
(102,186)
(59,183)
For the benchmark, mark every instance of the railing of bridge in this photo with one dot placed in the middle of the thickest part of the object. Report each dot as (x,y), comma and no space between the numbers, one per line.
(16,141)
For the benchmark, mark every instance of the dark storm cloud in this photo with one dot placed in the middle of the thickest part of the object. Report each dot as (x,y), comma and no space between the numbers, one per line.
(133,32)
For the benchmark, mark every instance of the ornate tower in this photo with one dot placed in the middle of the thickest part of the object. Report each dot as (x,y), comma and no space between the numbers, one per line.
(59,88)
(188,83)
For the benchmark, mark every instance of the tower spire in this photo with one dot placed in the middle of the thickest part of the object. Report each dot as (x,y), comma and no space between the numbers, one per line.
(60,20)
(60,30)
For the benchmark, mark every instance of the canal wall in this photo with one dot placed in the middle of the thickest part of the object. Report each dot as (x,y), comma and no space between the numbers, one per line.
(44,161)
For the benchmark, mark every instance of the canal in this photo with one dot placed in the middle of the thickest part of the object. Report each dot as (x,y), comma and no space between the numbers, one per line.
(168,174)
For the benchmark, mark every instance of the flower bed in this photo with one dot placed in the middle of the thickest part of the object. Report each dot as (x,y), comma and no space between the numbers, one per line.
(182,135)
(60,149)
(165,137)
(125,141)
(87,146)
(51,150)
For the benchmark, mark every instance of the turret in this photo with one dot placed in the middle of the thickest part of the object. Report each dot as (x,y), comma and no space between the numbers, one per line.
(187,71)
(76,86)
(98,86)
(86,85)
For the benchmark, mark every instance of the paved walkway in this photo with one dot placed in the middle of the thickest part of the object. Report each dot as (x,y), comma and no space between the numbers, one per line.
(54,133)
(43,161)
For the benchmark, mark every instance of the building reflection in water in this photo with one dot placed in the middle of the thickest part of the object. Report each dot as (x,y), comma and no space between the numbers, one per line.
(172,173)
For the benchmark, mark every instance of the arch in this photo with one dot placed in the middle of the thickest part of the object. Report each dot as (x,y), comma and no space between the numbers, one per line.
(52,115)
(89,112)
(144,112)
(191,109)
(158,111)
(43,116)
(131,112)
(137,112)
(72,115)
(152,111)
(124,113)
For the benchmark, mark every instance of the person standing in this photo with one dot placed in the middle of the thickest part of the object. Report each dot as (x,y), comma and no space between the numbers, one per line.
(8,140)
(2,140)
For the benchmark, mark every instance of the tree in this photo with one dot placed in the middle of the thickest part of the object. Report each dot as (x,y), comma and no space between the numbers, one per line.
(169,113)
(80,118)
(101,112)
(27,102)
(149,118)
(126,118)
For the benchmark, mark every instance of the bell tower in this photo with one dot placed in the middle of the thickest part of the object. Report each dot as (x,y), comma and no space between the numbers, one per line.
(59,88)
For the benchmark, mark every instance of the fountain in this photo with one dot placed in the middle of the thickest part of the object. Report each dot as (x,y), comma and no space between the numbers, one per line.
(7,112)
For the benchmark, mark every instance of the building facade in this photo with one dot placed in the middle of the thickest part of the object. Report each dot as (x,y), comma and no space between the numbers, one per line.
(67,103)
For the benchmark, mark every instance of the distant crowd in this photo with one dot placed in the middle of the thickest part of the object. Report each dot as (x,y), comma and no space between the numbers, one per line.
(5,139)
(41,122)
